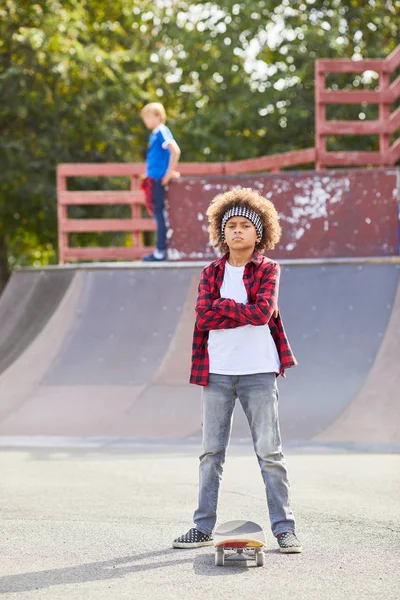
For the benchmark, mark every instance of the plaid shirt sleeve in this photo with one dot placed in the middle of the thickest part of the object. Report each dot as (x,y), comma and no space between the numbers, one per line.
(259,312)
(207,318)
(286,355)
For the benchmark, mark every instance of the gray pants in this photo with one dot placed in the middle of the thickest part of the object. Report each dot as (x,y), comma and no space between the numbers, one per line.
(258,395)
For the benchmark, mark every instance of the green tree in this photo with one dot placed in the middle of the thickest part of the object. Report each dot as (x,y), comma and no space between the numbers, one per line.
(70,79)
(246,83)
(315,29)
(237,79)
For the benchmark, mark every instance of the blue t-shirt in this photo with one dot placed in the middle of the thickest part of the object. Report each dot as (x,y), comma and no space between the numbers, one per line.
(158,155)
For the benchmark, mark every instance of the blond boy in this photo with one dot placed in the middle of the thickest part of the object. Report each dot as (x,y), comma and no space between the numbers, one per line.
(162,158)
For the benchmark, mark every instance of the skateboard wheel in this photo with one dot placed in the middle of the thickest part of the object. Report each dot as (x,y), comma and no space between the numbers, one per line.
(260,558)
(219,557)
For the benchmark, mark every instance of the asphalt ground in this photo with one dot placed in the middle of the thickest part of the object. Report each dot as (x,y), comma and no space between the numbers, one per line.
(97,523)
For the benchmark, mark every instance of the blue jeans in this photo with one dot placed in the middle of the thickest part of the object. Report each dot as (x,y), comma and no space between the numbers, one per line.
(159,214)
(258,395)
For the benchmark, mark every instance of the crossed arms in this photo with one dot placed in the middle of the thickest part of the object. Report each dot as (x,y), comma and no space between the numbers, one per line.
(223,313)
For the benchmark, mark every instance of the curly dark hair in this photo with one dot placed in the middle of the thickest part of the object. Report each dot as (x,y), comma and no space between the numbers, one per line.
(244,197)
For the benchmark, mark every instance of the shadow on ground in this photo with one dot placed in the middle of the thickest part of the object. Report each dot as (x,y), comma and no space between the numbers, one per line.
(203,565)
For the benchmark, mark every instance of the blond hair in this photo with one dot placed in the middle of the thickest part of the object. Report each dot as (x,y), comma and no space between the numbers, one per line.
(244,197)
(156,108)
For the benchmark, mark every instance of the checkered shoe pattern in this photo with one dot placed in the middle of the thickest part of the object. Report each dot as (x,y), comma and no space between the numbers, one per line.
(288,543)
(193,539)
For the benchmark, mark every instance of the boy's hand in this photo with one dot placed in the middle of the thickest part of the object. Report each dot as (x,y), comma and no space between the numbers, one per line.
(168,176)
(276,313)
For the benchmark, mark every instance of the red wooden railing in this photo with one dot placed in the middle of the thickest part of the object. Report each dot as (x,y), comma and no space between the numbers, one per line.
(387,124)
(136,225)
(134,198)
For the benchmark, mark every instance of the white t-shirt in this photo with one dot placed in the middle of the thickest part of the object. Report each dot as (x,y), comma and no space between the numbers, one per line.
(244,350)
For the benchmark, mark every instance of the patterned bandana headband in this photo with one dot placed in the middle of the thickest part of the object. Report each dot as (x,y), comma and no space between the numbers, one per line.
(242,211)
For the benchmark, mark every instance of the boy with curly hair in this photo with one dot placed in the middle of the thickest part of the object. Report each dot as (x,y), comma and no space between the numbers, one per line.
(239,349)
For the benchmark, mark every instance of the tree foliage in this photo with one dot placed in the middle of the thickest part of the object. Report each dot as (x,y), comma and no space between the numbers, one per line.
(237,79)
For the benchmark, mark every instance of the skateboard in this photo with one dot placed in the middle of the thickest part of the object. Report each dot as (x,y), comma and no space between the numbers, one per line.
(239,541)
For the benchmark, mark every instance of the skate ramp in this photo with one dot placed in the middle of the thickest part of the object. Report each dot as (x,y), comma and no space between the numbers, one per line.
(338,317)
(109,355)
(26,305)
(376,407)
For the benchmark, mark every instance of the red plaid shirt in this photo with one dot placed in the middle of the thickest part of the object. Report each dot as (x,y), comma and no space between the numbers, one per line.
(261,279)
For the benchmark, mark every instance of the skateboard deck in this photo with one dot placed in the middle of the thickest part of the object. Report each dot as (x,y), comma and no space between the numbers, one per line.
(245,539)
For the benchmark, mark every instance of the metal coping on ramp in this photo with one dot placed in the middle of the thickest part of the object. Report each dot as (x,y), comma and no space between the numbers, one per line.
(191,264)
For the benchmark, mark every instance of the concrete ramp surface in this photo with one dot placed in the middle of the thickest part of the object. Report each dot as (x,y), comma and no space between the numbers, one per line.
(105,351)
